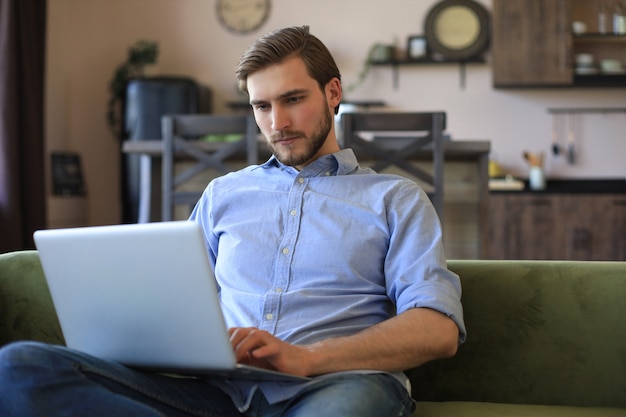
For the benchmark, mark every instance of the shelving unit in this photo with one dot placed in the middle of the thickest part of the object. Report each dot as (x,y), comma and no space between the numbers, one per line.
(520,60)
(601,46)
(397,63)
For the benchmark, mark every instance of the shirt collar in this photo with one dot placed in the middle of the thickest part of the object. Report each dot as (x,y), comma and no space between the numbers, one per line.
(339,163)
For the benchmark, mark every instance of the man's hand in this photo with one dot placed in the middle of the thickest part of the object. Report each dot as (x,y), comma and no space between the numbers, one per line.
(259,348)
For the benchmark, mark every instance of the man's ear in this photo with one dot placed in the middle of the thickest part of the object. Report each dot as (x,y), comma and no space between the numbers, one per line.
(333,92)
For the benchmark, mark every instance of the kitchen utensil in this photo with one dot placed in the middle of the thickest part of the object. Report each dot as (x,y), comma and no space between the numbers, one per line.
(571,139)
(556,149)
(534,159)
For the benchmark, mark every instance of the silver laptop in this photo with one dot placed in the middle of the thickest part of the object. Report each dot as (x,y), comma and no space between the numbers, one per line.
(143,295)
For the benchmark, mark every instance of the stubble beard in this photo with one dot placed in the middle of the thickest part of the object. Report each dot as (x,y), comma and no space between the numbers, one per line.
(312,144)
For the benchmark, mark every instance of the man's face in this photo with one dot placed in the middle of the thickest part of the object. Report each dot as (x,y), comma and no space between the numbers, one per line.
(294,115)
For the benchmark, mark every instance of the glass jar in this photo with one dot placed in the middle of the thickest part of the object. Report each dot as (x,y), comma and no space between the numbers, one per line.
(602,18)
(619,20)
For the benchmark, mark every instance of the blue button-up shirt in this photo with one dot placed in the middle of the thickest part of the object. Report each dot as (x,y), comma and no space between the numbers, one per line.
(323,252)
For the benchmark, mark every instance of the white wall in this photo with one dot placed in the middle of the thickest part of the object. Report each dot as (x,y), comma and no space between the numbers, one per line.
(89,38)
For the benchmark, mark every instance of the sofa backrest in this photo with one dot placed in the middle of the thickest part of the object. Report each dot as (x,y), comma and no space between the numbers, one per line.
(539,332)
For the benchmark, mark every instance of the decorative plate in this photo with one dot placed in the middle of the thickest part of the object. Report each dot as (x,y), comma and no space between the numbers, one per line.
(457,30)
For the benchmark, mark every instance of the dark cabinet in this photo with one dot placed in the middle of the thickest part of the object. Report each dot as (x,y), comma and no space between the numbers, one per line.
(531,42)
(523,228)
(557,226)
(617,226)
(533,45)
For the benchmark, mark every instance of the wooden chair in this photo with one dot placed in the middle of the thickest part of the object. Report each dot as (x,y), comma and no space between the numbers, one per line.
(392,138)
(180,134)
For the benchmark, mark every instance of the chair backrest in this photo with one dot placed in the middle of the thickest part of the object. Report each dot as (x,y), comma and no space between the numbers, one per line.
(180,134)
(393,138)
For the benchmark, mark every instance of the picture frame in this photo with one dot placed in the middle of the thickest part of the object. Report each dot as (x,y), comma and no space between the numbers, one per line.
(67,174)
(416,47)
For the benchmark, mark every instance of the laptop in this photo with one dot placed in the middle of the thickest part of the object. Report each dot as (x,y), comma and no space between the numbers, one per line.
(143,295)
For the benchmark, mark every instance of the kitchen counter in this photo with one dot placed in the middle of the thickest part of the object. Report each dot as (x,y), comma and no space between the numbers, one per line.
(575,186)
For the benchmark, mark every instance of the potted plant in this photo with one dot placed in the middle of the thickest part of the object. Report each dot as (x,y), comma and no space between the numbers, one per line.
(140,55)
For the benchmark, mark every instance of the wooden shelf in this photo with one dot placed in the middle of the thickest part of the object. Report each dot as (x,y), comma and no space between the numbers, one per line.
(396,63)
(600,80)
(600,37)
(601,46)
(426,61)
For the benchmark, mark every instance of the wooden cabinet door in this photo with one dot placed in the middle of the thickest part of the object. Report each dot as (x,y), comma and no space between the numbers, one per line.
(594,227)
(497,236)
(535,230)
(617,234)
(525,226)
(531,43)
(586,226)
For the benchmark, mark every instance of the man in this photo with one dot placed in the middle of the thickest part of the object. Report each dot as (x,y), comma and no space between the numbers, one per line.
(325,269)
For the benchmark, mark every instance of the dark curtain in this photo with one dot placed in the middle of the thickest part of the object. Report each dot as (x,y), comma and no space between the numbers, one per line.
(22,177)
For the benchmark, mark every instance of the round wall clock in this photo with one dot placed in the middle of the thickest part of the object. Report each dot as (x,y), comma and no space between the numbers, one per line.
(457,29)
(243,16)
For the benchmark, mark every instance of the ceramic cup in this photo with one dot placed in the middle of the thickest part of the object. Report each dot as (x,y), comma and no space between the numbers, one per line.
(579,27)
(536,179)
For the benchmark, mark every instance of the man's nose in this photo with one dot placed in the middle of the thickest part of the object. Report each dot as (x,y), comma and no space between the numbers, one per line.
(280,119)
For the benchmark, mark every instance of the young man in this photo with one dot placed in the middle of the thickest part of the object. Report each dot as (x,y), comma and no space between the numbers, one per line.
(325,269)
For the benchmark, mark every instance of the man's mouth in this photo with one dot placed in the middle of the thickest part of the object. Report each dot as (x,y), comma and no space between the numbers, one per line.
(285,139)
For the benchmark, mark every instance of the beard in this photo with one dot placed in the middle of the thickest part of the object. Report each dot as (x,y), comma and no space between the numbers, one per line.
(313,143)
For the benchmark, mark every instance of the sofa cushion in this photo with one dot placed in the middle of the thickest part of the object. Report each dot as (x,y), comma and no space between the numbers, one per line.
(26,309)
(477,409)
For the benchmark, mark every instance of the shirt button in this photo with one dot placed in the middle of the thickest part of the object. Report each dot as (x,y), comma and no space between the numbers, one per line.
(328,174)
(285,251)
(301,180)
(293,212)
(269,316)
(279,289)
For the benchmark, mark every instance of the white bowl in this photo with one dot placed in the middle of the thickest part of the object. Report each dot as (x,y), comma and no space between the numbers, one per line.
(584,59)
(610,65)
(618,71)
(586,70)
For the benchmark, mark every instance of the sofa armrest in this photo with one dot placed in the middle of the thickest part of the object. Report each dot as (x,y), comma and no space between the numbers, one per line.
(26,309)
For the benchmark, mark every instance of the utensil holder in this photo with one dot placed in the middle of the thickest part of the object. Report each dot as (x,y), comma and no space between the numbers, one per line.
(536,178)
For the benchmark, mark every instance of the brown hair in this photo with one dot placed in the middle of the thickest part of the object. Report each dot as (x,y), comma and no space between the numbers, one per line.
(281,44)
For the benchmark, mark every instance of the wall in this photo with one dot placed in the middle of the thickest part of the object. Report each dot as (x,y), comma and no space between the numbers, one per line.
(89,38)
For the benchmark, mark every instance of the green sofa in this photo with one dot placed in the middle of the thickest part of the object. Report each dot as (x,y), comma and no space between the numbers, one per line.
(545,338)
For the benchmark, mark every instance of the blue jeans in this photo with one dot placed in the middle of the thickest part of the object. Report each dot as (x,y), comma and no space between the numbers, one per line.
(38,380)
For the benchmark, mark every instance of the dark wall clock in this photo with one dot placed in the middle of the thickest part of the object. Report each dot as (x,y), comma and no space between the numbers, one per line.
(457,30)
(243,16)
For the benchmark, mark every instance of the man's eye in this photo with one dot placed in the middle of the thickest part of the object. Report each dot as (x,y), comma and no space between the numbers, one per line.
(261,107)
(294,99)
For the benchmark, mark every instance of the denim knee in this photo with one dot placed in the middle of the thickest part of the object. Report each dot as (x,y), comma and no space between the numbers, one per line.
(353,394)
(16,354)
